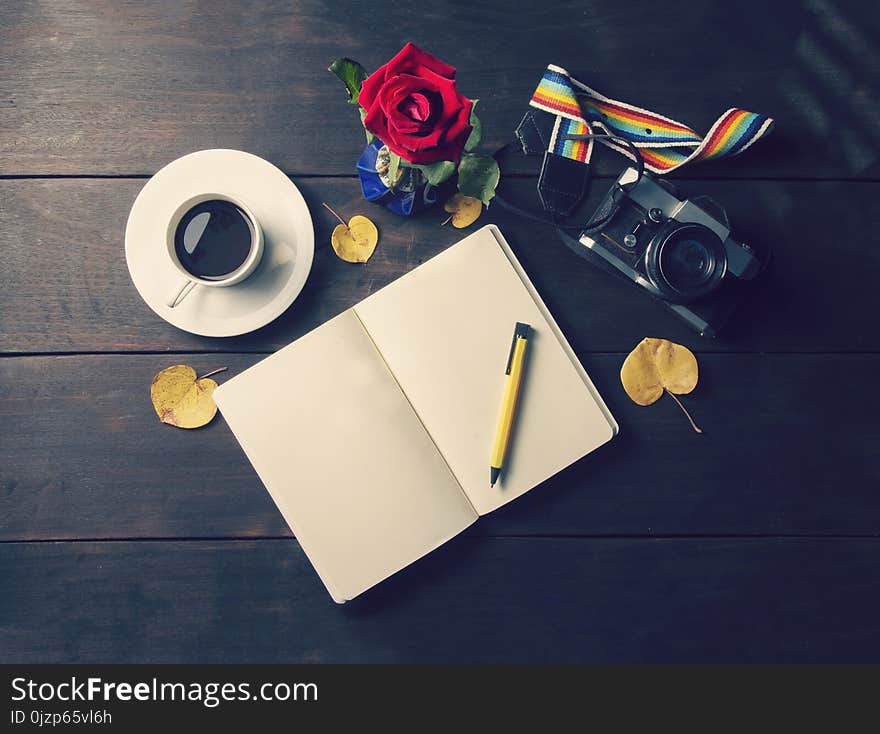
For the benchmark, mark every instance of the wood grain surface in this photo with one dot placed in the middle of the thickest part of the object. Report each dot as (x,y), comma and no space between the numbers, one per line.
(124,540)
(68,290)
(123,87)
(790,448)
(474,600)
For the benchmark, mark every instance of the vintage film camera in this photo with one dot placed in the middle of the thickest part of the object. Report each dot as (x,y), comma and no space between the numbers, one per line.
(679,250)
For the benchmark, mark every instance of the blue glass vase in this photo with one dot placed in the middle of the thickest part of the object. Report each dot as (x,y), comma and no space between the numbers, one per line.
(411,194)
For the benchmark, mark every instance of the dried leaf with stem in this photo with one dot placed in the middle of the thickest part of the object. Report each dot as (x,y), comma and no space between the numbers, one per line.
(182,399)
(463,210)
(355,241)
(656,366)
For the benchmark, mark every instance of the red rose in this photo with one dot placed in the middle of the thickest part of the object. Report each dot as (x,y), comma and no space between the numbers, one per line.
(413,107)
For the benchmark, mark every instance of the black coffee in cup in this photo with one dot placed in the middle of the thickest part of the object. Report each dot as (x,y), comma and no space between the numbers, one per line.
(213,239)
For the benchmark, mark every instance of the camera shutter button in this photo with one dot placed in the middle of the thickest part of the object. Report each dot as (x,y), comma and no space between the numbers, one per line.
(656,215)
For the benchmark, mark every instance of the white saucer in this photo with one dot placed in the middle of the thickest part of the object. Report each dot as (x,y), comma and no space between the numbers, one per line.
(287,229)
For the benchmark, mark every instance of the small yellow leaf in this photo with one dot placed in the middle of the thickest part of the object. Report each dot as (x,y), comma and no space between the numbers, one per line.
(356,241)
(677,367)
(465,210)
(182,400)
(640,377)
(658,365)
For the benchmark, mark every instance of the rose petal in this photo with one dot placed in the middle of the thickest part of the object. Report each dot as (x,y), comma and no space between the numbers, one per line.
(451,151)
(416,107)
(376,121)
(409,86)
(405,125)
(398,149)
(430,139)
(370,88)
(401,86)
(411,56)
(461,125)
(452,100)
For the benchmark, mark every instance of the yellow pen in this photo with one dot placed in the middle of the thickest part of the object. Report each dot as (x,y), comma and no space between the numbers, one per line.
(514,372)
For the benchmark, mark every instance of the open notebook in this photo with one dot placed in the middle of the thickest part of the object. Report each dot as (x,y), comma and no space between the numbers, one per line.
(372,433)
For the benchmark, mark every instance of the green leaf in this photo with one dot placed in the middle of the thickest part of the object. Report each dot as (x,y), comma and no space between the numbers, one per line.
(476,130)
(437,173)
(478,175)
(370,136)
(476,134)
(352,75)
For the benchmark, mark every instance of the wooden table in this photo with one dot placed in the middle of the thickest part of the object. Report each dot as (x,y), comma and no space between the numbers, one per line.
(124,540)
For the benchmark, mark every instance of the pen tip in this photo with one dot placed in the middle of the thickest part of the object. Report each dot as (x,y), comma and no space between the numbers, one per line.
(492,484)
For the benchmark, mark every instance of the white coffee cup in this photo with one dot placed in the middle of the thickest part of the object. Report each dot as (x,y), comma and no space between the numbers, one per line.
(190,281)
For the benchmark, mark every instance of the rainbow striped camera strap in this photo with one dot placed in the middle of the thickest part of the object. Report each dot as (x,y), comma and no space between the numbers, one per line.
(663,143)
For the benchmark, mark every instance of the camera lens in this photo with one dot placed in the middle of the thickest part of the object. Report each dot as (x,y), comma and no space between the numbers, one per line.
(685,261)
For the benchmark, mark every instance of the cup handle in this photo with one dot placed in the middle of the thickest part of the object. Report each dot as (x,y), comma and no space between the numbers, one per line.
(181,292)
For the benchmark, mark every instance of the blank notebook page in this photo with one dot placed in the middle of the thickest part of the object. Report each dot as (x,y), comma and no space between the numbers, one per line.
(445,331)
(344,456)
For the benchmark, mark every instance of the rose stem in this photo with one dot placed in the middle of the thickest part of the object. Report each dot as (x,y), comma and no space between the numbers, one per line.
(446,221)
(212,372)
(329,209)
(684,410)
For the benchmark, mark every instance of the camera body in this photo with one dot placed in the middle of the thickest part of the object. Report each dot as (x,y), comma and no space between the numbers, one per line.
(679,250)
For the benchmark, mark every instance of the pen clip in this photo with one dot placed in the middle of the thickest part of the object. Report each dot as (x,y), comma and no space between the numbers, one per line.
(520,332)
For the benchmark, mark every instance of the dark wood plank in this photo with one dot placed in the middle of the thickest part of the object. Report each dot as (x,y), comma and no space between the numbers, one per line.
(64,284)
(121,86)
(792,446)
(473,600)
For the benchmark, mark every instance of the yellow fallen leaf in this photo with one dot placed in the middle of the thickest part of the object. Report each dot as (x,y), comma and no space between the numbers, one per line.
(181,398)
(355,242)
(465,210)
(656,366)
